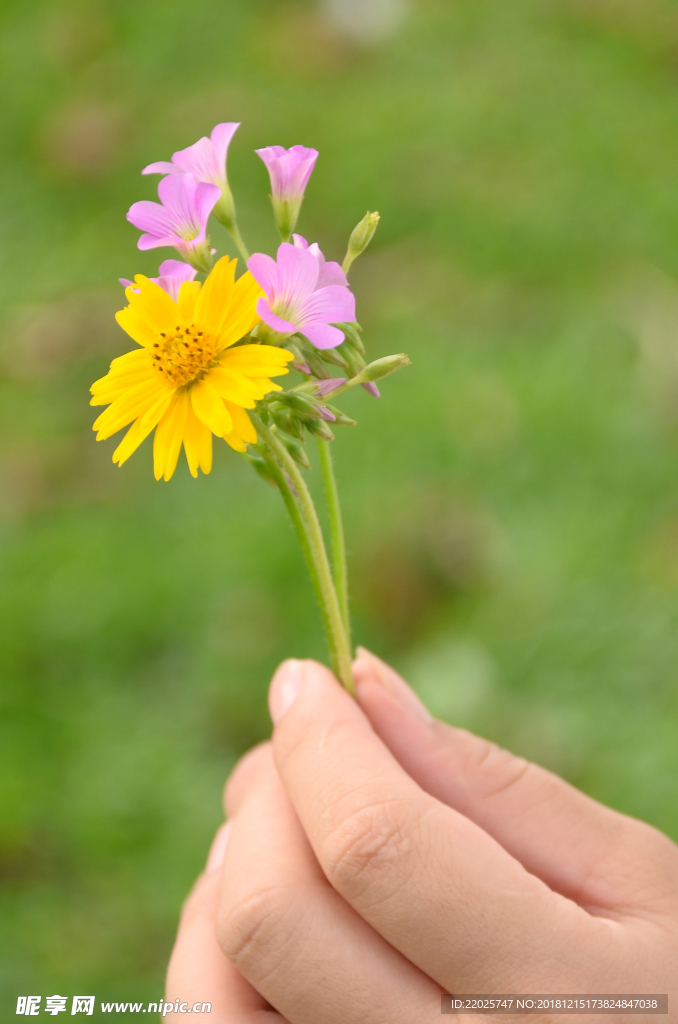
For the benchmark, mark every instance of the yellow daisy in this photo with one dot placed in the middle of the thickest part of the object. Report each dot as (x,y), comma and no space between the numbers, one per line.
(186,380)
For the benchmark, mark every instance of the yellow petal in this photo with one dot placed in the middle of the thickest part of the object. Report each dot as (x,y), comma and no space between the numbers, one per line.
(152,304)
(243,314)
(120,379)
(256,364)
(135,325)
(133,403)
(265,384)
(140,429)
(168,436)
(188,296)
(197,444)
(137,357)
(254,355)
(210,409)
(234,386)
(214,301)
(242,429)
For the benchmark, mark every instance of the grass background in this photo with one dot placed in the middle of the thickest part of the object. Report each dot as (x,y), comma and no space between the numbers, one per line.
(511,502)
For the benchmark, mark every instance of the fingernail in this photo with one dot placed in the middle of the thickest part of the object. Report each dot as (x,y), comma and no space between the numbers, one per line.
(285,688)
(215,858)
(395,685)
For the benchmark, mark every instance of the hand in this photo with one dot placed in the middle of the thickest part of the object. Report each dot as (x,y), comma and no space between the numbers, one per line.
(388,857)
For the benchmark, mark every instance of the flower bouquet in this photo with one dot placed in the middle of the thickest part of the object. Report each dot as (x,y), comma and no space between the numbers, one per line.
(208,350)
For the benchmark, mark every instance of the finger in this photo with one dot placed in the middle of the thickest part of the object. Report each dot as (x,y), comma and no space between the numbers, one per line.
(198,971)
(255,764)
(576,845)
(434,884)
(292,936)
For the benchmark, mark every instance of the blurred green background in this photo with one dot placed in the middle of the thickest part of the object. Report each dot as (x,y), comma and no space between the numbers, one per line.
(511,501)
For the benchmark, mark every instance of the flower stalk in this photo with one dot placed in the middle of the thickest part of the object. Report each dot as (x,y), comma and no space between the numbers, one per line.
(337,638)
(337,539)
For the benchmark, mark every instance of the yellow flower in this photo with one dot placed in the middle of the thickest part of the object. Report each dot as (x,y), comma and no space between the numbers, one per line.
(186,380)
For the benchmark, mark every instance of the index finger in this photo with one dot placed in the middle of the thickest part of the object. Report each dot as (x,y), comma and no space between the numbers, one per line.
(433,883)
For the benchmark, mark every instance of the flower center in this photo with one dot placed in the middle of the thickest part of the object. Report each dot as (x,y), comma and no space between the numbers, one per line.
(181,356)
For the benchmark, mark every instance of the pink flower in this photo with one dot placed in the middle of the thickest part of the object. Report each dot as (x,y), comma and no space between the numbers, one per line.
(296,297)
(180,219)
(206,161)
(329,273)
(289,170)
(173,273)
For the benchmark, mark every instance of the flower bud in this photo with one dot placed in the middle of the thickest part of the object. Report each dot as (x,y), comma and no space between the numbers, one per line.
(320,429)
(382,367)
(361,236)
(263,469)
(297,451)
(352,336)
(332,355)
(286,421)
(354,360)
(340,418)
(289,170)
(298,402)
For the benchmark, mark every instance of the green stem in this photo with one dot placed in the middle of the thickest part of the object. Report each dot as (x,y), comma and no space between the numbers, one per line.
(339,571)
(300,528)
(238,239)
(337,640)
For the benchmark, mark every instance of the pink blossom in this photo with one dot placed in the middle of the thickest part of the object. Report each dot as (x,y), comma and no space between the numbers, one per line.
(329,273)
(289,170)
(179,219)
(206,161)
(296,301)
(173,273)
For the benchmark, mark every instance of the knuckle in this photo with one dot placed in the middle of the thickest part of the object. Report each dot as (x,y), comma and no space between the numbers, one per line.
(372,840)
(498,769)
(250,929)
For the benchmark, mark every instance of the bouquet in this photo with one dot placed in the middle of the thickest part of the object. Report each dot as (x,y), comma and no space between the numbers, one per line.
(210,346)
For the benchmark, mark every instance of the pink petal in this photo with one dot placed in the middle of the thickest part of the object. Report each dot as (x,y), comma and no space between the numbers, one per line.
(161,167)
(264,270)
(328,306)
(176,268)
(331,274)
(173,273)
(124,282)
(323,335)
(297,274)
(199,160)
(149,241)
(206,197)
(372,388)
(289,169)
(177,195)
(300,171)
(300,241)
(325,387)
(221,139)
(270,318)
(151,217)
